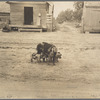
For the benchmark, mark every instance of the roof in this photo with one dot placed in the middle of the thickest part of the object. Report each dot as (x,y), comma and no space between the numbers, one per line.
(18,2)
(50,3)
(30,2)
(92,3)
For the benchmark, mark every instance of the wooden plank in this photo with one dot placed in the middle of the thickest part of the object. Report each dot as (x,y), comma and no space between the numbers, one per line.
(25,26)
(30,30)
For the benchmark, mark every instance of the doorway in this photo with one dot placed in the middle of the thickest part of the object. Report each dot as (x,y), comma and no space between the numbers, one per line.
(28,15)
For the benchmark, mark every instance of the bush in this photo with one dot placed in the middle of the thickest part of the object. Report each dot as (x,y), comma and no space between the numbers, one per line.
(65,16)
(70,15)
(55,25)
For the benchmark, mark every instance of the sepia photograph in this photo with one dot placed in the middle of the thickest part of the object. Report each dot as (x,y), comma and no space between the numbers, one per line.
(49,49)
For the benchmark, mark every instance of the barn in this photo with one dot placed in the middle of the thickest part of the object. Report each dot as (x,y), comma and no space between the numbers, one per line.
(91,17)
(31,16)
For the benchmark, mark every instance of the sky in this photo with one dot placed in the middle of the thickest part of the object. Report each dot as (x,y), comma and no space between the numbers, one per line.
(62,6)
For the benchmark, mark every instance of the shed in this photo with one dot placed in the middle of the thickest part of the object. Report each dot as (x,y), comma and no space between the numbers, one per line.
(4,13)
(31,16)
(91,17)
(4,18)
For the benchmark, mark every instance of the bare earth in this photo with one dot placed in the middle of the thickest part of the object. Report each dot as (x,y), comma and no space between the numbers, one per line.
(76,75)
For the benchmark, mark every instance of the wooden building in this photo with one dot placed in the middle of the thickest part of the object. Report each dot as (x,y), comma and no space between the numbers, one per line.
(4,18)
(91,17)
(4,14)
(31,16)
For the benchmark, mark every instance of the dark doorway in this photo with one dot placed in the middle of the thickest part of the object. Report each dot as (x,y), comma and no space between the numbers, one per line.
(28,15)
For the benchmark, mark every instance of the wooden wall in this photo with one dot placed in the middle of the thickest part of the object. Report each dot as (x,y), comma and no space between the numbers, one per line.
(50,19)
(91,19)
(17,13)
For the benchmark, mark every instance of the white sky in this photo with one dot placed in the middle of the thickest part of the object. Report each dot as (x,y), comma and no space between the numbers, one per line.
(62,6)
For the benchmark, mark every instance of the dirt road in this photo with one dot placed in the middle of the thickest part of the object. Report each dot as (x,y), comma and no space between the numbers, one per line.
(75,76)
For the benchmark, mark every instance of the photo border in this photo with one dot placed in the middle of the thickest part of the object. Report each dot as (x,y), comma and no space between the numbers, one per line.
(52,99)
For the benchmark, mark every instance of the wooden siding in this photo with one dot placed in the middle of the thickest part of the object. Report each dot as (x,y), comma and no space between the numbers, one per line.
(17,13)
(49,22)
(40,12)
(91,19)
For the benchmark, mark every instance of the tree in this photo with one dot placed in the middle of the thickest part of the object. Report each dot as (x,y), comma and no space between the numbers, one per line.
(70,15)
(61,17)
(66,15)
(78,5)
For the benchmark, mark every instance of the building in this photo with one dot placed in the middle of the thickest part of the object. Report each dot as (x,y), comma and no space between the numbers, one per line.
(31,16)
(4,13)
(91,17)
(4,18)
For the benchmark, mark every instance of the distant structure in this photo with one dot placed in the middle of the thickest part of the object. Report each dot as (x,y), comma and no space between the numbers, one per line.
(31,16)
(4,18)
(91,17)
(4,14)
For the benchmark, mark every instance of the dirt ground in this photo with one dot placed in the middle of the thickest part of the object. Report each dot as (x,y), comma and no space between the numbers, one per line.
(76,75)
